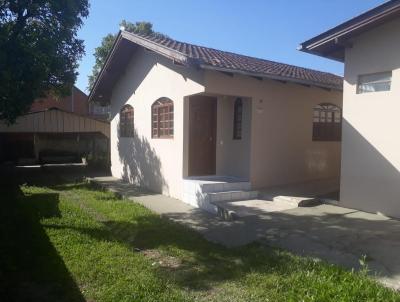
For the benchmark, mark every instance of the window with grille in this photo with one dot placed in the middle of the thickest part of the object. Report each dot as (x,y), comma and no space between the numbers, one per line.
(327,124)
(126,122)
(162,118)
(237,119)
(374,82)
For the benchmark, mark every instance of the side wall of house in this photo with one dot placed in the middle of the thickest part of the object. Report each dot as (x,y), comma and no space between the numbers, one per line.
(282,150)
(151,162)
(371,158)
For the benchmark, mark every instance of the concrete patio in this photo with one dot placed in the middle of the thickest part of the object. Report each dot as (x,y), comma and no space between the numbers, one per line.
(338,235)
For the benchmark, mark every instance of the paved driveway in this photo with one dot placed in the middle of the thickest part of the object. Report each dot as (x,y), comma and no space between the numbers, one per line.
(338,235)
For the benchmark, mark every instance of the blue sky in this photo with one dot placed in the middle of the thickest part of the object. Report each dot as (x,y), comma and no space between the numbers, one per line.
(266,29)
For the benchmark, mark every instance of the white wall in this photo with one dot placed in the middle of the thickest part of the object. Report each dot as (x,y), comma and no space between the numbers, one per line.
(282,150)
(154,163)
(371,146)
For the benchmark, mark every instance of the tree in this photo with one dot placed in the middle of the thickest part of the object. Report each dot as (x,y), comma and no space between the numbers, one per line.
(39,51)
(101,52)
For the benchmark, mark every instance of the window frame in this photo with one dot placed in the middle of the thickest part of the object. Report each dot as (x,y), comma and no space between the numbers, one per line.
(371,83)
(238,119)
(127,121)
(328,127)
(162,119)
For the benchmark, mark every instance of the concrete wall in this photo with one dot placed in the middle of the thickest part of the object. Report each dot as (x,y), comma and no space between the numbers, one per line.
(282,150)
(371,158)
(154,163)
(233,156)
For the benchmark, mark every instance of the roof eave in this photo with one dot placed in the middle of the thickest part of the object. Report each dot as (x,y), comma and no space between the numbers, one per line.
(175,56)
(339,34)
(105,66)
(157,48)
(271,77)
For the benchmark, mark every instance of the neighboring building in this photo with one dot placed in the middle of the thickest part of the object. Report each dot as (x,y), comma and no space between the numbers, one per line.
(55,136)
(76,102)
(184,117)
(58,130)
(369,45)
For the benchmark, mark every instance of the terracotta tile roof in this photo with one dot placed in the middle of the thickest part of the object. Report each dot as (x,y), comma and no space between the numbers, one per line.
(209,57)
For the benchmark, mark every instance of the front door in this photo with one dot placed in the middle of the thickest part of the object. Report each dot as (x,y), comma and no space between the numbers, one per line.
(202,135)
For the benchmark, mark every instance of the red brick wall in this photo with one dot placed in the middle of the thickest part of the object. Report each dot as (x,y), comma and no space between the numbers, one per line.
(80,104)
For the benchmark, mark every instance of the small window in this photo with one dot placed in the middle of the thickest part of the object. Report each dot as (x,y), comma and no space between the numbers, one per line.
(237,119)
(162,118)
(327,123)
(374,82)
(126,122)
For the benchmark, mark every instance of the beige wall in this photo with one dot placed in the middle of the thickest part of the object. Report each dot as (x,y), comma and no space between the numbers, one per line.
(371,147)
(154,163)
(233,156)
(279,150)
(282,150)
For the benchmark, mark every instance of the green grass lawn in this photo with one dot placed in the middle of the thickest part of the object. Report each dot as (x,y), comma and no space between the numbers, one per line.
(72,243)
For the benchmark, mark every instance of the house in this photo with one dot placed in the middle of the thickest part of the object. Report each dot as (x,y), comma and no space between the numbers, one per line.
(200,124)
(76,102)
(369,46)
(57,131)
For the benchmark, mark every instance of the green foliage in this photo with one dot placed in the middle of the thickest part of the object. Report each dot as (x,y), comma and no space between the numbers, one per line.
(101,52)
(39,51)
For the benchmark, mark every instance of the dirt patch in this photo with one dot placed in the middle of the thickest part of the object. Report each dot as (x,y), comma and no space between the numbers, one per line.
(164,261)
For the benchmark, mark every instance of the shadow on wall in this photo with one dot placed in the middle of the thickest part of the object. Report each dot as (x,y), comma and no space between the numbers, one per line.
(141,165)
(369,180)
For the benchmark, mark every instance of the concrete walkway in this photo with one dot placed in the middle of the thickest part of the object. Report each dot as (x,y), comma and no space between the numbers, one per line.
(337,235)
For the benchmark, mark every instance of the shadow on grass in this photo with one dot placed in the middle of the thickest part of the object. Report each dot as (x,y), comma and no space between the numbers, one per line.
(199,265)
(202,264)
(31,269)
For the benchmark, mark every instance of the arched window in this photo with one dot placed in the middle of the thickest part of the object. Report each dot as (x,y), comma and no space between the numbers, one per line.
(162,118)
(327,125)
(126,122)
(237,119)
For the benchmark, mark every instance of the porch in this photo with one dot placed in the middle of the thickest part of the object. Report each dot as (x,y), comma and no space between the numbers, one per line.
(217,142)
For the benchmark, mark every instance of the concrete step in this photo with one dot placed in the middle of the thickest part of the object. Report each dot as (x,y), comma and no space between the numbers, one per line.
(232,195)
(201,192)
(224,187)
(296,201)
(192,187)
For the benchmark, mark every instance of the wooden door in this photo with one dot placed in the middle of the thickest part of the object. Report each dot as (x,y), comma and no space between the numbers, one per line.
(202,135)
